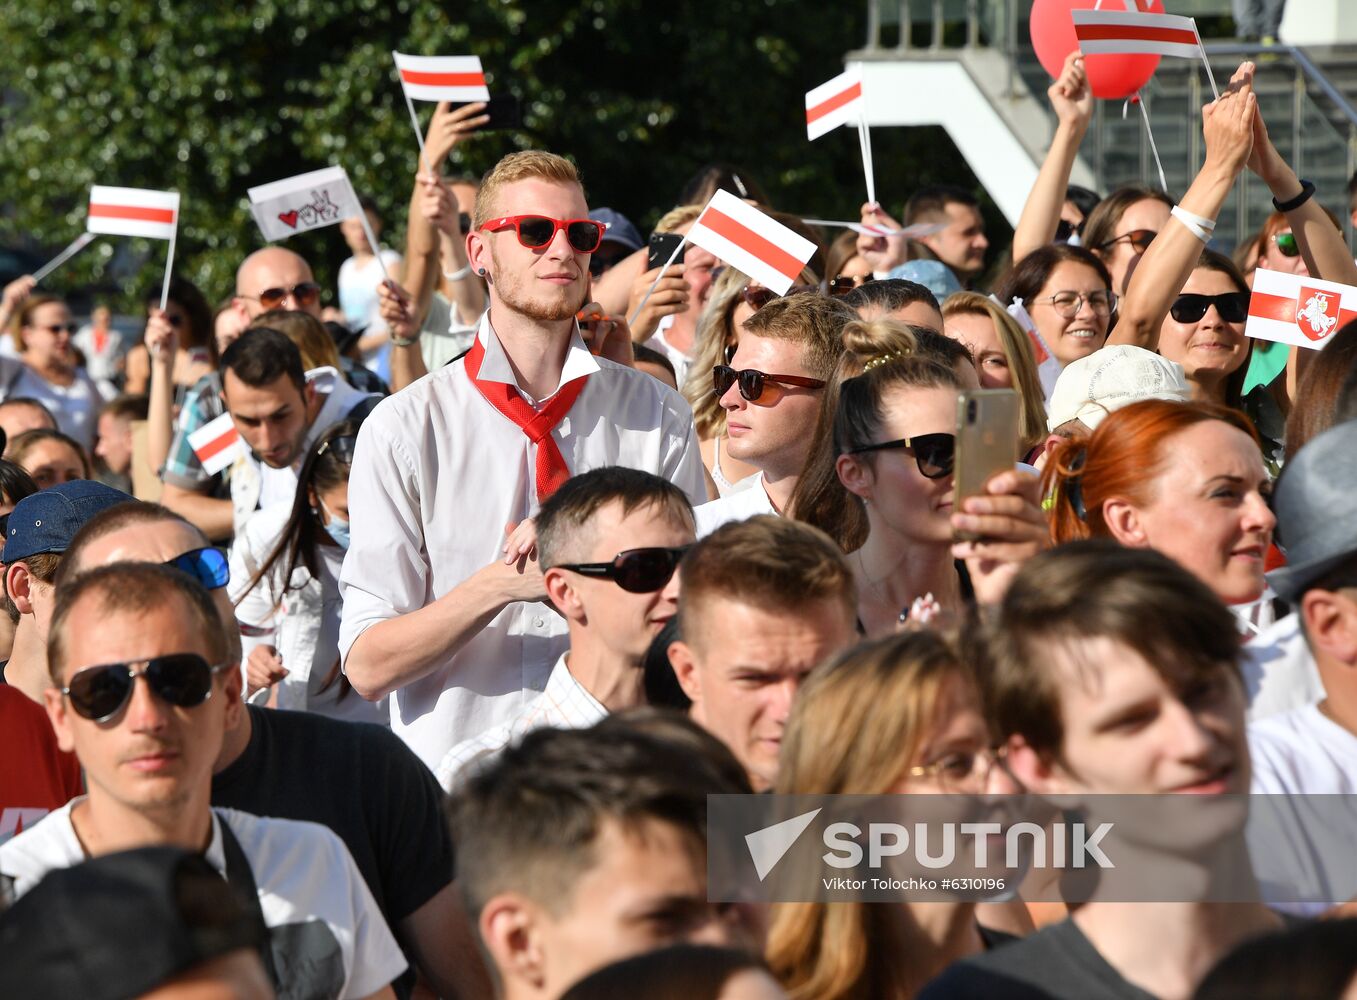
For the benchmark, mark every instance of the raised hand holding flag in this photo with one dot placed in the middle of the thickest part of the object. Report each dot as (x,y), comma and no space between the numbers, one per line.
(309,201)
(841,101)
(455,79)
(121,211)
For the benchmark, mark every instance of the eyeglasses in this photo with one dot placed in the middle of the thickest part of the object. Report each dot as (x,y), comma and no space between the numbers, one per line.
(305,293)
(1064,229)
(1286,243)
(1232,306)
(845,283)
(207,565)
(961,771)
(182,679)
(58,328)
(537,231)
(637,571)
(1140,240)
(343,448)
(753,382)
(757,296)
(934,454)
(1068,304)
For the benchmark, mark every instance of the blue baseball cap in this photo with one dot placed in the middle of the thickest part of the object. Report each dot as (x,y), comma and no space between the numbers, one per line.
(934,275)
(620,229)
(47,521)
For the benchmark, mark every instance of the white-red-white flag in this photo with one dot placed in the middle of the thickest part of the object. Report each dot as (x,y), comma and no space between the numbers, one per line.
(1131,32)
(836,102)
(307,201)
(122,211)
(217,444)
(1297,310)
(1048,365)
(458,79)
(749,241)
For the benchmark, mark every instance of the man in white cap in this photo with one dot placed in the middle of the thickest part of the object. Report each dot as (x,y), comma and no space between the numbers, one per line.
(1092,387)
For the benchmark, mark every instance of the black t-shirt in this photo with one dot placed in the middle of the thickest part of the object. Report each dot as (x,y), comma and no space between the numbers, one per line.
(360,781)
(1056,963)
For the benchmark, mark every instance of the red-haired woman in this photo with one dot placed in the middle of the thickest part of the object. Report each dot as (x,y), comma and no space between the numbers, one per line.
(1184,478)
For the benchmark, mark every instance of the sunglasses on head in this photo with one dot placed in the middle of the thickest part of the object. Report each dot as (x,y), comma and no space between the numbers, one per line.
(1286,243)
(934,454)
(343,448)
(1232,306)
(208,566)
(756,296)
(845,283)
(1140,240)
(537,231)
(304,293)
(181,679)
(752,382)
(637,571)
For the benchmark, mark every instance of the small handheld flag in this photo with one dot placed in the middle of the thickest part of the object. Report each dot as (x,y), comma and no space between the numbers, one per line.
(217,444)
(121,211)
(841,101)
(456,79)
(308,201)
(1298,310)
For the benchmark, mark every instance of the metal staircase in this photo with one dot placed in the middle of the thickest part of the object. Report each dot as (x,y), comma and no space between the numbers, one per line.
(1306,95)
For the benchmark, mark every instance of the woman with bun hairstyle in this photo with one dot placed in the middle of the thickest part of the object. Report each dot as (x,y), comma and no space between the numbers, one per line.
(1186,479)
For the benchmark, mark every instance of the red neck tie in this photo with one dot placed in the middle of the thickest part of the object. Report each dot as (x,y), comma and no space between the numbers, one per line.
(536,424)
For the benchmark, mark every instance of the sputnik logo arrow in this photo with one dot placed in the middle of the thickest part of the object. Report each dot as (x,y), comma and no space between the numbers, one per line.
(767,846)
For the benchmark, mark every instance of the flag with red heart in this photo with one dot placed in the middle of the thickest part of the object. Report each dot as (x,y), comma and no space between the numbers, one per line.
(304,202)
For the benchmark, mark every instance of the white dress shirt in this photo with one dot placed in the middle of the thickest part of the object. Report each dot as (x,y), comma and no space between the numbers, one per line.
(747,498)
(438,473)
(565,704)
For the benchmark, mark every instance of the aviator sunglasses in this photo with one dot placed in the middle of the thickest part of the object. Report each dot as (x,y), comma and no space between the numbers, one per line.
(181,679)
(306,294)
(637,571)
(537,231)
(753,382)
(934,454)
(1232,306)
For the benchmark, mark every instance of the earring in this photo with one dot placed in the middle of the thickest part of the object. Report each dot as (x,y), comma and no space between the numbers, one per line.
(481,272)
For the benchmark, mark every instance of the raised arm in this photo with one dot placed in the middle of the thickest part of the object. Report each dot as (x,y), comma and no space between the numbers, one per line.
(1168,263)
(161,344)
(1072,99)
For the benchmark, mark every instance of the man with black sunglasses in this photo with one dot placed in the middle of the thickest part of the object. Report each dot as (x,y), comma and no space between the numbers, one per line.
(771,392)
(38,532)
(143,689)
(432,611)
(610,540)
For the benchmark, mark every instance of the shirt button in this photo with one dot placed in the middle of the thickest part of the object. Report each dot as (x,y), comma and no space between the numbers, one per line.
(539,622)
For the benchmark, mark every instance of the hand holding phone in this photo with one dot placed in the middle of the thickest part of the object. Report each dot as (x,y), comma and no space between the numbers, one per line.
(986,443)
(660,247)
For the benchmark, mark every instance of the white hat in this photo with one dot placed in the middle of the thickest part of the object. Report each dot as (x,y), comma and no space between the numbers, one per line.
(1092,387)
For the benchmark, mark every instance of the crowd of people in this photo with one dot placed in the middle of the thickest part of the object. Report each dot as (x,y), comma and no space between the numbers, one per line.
(532,547)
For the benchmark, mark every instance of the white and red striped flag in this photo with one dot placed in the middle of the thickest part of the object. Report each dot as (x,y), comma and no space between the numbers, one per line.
(1048,366)
(1102,32)
(458,79)
(122,211)
(217,444)
(1297,310)
(749,241)
(834,103)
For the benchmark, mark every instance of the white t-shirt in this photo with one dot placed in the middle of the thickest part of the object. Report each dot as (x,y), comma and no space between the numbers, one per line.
(442,337)
(1279,670)
(1302,752)
(329,938)
(75,406)
(747,498)
(677,358)
(358,290)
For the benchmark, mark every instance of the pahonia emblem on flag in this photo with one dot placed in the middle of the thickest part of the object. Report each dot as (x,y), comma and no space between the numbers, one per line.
(1303,312)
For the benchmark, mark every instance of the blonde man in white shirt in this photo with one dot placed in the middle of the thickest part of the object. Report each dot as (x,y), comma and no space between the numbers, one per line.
(144,687)
(432,611)
(611,540)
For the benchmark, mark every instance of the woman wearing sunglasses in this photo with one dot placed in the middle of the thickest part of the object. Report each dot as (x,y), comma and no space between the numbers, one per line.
(898,716)
(191,350)
(285,585)
(42,329)
(1068,293)
(1122,227)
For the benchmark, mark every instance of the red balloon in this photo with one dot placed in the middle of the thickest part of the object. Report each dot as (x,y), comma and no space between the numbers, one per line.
(1112,77)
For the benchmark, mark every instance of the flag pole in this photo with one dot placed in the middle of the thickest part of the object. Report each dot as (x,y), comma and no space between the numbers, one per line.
(76,245)
(865,141)
(169,265)
(1145,114)
(414,122)
(372,241)
(649,291)
(1215,91)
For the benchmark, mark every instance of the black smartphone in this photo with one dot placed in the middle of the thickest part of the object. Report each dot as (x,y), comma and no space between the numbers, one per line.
(505,111)
(661,246)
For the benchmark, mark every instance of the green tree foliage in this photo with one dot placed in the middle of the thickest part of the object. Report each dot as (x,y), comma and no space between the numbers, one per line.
(211,99)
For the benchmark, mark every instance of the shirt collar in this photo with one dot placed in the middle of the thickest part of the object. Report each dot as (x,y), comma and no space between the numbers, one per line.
(562,688)
(495,365)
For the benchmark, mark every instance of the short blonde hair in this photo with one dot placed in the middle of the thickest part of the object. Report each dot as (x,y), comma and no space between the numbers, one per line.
(529,163)
(675,217)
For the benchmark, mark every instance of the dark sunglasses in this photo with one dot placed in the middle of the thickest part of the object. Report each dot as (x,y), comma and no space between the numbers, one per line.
(1140,240)
(1286,243)
(306,294)
(58,328)
(637,571)
(934,454)
(343,448)
(1064,229)
(753,382)
(537,231)
(1232,306)
(182,679)
(844,284)
(758,297)
(208,566)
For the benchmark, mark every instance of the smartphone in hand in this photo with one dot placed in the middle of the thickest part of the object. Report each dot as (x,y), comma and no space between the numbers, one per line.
(660,247)
(986,442)
(505,111)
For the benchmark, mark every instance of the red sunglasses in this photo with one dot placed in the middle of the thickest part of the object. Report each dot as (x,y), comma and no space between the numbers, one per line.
(537,231)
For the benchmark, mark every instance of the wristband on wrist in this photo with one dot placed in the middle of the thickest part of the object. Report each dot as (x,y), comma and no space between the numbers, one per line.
(459,274)
(1307,191)
(1195,224)
(406,341)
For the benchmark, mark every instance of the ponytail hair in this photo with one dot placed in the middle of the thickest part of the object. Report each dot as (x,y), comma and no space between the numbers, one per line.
(879,356)
(1122,458)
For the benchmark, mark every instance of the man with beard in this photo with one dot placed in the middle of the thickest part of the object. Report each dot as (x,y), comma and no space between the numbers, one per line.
(433,611)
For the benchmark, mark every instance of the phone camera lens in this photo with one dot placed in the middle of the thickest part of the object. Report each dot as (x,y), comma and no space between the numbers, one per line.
(971,410)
